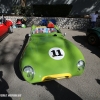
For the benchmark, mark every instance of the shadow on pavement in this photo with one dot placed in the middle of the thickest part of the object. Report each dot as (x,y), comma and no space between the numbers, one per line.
(82,40)
(16,62)
(59,92)
(98,81)
(3,88)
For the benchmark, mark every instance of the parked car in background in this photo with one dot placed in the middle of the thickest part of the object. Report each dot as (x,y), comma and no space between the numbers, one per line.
(20,23)
(93,36)
(5,27)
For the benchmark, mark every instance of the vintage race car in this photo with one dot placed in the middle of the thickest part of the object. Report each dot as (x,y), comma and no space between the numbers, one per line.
(20,23)
(93,36)
(48,56)
(5,27)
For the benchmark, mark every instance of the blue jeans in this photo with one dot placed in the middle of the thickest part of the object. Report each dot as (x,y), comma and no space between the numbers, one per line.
(93,24)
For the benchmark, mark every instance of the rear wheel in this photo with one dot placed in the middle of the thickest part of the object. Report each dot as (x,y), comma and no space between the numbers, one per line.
(10,29)
(93,39)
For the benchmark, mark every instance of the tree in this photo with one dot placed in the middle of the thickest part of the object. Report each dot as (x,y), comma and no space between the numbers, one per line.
(23,3)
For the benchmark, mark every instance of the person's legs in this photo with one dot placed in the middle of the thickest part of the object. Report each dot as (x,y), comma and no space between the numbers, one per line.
(93,24)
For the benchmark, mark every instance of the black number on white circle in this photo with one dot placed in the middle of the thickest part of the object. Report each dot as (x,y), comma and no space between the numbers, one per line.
(56,53)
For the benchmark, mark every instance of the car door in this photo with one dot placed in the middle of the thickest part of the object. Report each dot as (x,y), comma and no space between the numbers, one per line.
(3,29)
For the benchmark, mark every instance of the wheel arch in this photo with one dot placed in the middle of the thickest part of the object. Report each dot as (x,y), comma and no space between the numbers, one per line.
(96,37)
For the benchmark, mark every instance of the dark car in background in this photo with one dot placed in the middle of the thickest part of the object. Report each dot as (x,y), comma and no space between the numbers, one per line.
(93,36)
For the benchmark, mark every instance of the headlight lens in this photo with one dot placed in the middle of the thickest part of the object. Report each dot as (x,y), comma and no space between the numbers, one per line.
(81,64)
(29,70)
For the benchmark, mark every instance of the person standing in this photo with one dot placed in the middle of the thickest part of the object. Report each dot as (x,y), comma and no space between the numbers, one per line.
(93,19)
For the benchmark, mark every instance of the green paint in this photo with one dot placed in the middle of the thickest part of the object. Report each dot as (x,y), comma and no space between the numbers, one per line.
(36,55)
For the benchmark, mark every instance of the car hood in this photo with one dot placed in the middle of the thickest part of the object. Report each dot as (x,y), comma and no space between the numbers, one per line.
(50,54)
(96,28)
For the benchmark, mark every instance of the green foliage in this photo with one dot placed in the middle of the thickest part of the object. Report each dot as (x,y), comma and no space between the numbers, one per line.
(24,11)
(16,9)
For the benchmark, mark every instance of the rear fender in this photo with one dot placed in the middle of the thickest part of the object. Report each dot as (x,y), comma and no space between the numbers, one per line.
(91,31)
(97,33)
(9,23)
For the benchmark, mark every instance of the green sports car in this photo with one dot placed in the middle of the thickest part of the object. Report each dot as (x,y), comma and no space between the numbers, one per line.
(48,56)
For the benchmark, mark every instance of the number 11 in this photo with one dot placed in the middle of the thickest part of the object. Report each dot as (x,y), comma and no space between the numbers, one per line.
(56,53)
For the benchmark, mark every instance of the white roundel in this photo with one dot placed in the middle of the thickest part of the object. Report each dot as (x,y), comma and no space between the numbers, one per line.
(56,53)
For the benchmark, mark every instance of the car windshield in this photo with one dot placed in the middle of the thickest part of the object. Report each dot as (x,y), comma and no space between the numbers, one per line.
(44,30)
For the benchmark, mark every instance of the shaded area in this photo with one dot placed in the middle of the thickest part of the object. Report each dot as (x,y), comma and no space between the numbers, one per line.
(79,6)
(52,10)
(3,88)
(4,36)
(59,92)
(98,81)
(83,41)
(6,6)
(6,61)
(84,6)
(16,62)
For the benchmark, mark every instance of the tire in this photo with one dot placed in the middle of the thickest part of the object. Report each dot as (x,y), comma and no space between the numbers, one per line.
(26,36)
(10,29)
(93,39)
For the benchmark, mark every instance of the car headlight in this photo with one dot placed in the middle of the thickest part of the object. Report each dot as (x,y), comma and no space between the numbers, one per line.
(29,70)
(81,64)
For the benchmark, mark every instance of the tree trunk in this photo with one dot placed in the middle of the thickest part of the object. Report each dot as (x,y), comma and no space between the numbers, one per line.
(23,3)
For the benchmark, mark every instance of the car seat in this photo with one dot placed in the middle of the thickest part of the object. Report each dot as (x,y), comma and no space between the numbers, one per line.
(44,22)
(53,21)
(18,21)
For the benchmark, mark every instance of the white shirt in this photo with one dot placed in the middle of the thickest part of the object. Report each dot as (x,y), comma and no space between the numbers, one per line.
(93,17)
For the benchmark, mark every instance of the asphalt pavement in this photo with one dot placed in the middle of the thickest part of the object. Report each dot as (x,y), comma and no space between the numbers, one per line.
(84,87)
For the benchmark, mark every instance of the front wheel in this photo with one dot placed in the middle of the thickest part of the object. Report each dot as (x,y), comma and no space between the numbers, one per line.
(93,39)
(10,29)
